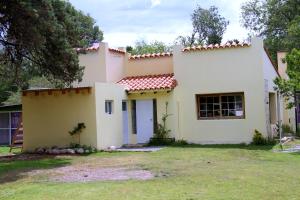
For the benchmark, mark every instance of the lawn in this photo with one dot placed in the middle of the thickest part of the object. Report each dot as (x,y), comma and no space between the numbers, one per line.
(193,172)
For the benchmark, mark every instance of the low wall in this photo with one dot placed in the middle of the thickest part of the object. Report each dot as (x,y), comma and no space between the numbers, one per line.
(48,118)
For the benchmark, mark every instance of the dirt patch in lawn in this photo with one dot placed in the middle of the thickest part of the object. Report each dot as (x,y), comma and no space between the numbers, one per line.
(80,174)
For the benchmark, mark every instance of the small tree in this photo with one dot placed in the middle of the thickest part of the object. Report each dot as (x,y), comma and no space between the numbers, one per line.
(162,130)
(77,130)
(287,88)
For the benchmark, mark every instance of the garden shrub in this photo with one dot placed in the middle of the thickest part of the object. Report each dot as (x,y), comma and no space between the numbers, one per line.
(258,138)
(287,129)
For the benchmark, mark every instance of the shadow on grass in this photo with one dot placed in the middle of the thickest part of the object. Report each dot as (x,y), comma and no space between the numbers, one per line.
(226,146)
(16,167)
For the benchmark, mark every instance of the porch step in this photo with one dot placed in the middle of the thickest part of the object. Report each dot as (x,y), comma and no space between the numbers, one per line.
(133,146)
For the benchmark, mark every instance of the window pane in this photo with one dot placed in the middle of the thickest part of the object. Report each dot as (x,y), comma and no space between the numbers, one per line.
(203,106)
(224,99)
(210,106)
(216,99)
(230,98)
(203,114)
(231,112)
(108,106)
(210,100)
(238,98)
(210,113)
(133,116)
(231,105)
(15,119)
(216,106)
(202,99)
(239,106)
(4,120)
(217,113)
(225,113)
(224,105)
(4,136)
(124,106)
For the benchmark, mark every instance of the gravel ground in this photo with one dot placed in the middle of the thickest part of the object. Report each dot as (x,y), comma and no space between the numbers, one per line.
(80,174)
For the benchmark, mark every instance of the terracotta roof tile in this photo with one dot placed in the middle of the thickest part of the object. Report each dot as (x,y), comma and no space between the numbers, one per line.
(116,50)
(216,46)
(151,55)
(149,82)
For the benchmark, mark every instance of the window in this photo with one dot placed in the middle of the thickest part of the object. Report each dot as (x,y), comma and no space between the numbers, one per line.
(109,106)
(9,122)
(133,116)
(220,106)
(124,106)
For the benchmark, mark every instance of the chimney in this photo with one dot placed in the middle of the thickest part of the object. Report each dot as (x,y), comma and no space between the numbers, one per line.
(282,65)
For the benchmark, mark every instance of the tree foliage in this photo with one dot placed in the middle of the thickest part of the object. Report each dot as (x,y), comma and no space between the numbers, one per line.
(142,47)
(208,27)
(288,87)
(278,22)
(38,38)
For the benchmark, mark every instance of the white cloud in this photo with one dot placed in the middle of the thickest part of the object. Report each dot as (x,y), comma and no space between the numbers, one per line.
(155,3)
(124,22)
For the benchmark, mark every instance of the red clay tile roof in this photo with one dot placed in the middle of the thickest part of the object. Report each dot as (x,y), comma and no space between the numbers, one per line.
(216,46)
(151,55)
(95,47)
(149,82)
(116,50)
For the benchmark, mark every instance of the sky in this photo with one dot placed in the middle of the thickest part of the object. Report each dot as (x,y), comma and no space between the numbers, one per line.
(126,21)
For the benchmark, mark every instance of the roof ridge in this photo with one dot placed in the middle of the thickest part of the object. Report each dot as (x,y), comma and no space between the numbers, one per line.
(151,55)
(116,50)
(216,46)
(149,75)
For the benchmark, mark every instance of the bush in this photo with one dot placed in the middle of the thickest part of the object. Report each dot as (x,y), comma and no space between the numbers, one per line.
(287,129)
(259,139)
(161,141)
(181,142)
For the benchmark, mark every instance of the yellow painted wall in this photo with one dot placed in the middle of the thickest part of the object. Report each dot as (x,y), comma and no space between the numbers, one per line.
(149,66)
(109,126)
(220,71)
(95,66)
(49,118)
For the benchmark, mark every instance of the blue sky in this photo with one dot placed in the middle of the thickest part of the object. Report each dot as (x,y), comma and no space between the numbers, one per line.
(125,21)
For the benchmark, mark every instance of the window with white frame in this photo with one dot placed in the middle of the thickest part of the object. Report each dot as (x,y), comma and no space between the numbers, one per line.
(109,106)
(220,106)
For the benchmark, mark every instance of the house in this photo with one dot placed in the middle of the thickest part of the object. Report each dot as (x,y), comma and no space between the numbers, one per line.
(9,119)
(214,94)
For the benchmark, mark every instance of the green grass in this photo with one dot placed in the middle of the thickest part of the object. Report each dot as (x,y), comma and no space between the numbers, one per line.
(191,172)
(4,150)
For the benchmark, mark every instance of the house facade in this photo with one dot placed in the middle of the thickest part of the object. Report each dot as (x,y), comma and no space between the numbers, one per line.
(213,94)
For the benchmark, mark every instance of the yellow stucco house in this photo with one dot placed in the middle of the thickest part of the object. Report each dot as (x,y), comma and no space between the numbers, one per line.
(216,94)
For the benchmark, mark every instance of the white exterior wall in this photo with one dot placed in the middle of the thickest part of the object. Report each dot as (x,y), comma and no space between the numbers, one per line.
(109,126)
(220,71)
